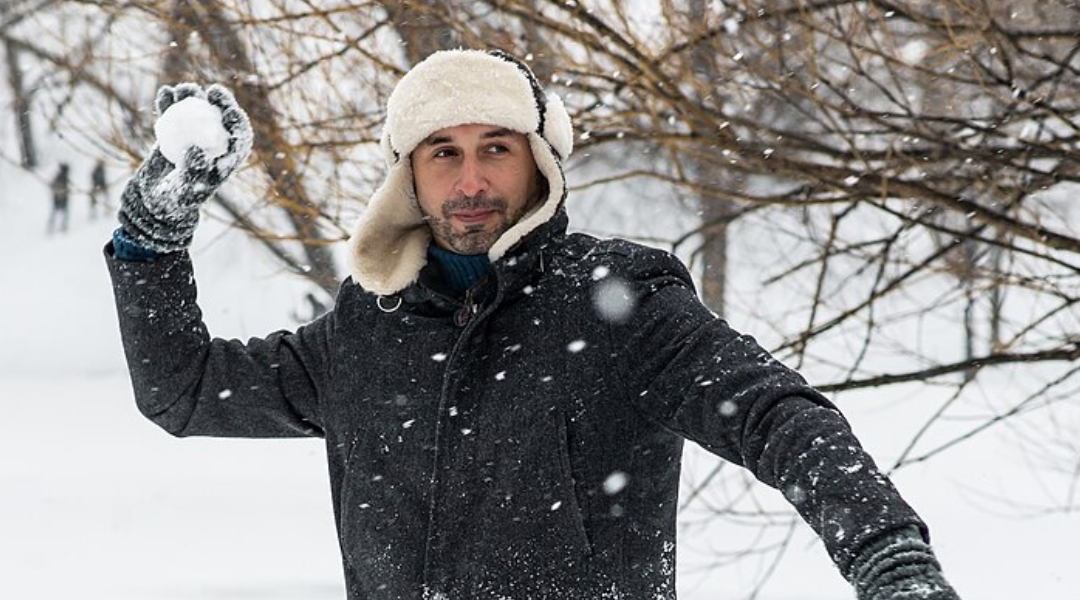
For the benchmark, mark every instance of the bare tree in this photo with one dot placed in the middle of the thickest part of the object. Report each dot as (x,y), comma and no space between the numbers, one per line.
(10,13)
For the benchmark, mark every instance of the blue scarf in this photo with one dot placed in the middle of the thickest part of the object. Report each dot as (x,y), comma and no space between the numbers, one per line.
(461,271)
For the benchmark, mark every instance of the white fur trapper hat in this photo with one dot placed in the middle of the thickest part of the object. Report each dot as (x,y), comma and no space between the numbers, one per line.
(450,88)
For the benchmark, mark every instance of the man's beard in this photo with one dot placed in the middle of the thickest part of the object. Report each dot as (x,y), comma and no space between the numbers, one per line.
(475,239)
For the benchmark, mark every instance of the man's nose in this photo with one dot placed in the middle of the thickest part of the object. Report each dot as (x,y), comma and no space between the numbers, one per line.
(472,180)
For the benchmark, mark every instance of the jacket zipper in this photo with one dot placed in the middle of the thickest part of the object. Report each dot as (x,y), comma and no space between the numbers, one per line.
(463,318)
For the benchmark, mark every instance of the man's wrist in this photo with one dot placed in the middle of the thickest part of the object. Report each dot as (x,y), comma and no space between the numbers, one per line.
(127,249)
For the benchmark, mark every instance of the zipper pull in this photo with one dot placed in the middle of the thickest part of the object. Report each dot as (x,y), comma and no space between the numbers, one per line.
(464,315)
(470,307)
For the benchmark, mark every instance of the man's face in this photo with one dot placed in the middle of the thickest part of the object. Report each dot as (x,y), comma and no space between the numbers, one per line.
(473,183)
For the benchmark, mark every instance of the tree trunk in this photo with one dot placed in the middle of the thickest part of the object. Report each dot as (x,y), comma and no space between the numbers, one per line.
(715,212)
(177,65)
(271,145)
(714,253)
(21,105)
(421,26)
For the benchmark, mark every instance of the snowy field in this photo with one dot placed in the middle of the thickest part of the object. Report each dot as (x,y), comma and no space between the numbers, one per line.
(96,503)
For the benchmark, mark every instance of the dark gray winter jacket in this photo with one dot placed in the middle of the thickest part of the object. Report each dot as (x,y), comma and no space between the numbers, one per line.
(525,448)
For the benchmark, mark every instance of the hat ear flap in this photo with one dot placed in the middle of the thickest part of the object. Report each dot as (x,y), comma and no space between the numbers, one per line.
(558,130)
(386,145)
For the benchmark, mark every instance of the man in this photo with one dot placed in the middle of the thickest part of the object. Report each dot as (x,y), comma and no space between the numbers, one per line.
(493,428)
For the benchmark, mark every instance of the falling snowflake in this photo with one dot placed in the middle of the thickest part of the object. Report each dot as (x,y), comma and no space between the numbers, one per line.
(615,482)
(614,300)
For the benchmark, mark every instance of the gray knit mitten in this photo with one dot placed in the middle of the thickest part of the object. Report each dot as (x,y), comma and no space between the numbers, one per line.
(159,208)
(900,566)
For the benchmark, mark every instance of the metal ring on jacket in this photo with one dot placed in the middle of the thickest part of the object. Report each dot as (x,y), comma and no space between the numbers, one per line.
(379,303)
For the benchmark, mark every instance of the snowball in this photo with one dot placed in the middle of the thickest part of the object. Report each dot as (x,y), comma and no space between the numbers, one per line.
(191,122)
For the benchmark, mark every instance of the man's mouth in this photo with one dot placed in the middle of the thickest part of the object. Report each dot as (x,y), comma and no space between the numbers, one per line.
(472,217)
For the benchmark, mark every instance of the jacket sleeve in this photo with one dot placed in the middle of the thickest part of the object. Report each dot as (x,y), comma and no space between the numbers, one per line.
(699,378)
(190,384)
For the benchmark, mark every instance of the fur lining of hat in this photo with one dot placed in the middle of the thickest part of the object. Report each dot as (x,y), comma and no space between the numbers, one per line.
(450,88)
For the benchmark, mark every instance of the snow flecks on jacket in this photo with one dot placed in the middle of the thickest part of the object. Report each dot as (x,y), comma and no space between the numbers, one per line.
(795,494)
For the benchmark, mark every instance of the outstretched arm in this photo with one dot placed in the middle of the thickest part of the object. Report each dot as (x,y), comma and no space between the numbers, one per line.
(720,389)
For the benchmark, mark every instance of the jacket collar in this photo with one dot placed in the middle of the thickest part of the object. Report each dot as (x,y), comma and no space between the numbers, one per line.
(521,266)
(526,259)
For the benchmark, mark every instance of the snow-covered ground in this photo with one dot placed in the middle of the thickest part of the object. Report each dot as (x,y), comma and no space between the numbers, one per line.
(96,503)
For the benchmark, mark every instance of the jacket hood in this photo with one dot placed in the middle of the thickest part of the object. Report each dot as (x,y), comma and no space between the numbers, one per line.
(454,87)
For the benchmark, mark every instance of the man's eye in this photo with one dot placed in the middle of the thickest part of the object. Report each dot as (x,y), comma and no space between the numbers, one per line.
(443,152)
(497,149)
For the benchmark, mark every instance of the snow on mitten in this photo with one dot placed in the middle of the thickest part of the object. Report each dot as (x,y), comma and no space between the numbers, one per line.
(900,566)
(159,208)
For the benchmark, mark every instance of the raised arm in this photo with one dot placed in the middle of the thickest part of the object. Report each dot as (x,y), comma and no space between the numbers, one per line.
(190,384)
(183,380)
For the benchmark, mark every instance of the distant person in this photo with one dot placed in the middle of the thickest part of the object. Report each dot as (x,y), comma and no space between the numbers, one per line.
(504,404)
(99,189)
(58,219)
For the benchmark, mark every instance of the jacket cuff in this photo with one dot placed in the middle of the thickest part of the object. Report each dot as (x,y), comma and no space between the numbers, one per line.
(896,566)
(125,248)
